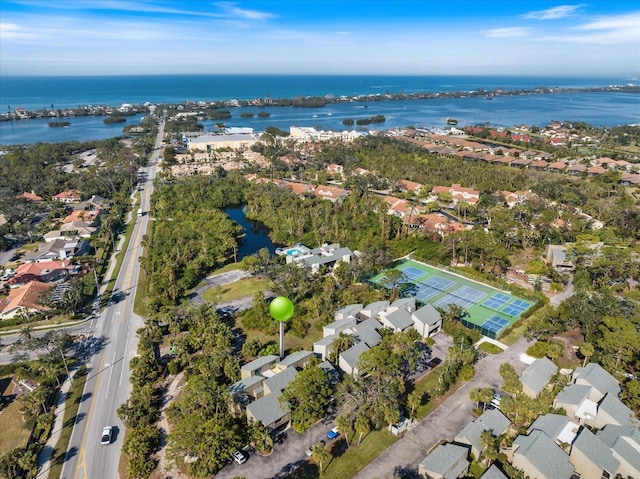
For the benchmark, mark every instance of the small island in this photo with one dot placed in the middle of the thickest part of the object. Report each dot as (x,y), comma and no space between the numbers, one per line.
(114,119)
(54,124)
(373,119)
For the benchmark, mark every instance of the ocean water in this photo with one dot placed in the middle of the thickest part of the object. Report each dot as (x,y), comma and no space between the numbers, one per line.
(597,108)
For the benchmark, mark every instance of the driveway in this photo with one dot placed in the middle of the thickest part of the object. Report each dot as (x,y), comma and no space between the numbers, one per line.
(195,297)
(446,421)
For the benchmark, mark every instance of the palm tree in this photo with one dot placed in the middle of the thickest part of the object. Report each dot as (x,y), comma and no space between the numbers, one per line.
(320,454)
(343,342)
(587,351)
(362,426)
(345,426)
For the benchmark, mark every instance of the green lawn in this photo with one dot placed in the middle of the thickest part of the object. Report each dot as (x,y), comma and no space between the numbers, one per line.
(347,462)
(490,348)
(13,433)
(236,290)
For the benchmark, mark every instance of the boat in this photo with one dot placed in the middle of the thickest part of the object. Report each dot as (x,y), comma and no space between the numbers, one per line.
(489,97)
(452,121)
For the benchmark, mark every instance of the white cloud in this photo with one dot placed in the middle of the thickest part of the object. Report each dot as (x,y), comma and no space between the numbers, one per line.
(243,13)
(554,13)
(509,32)
(610,30)
(15,31)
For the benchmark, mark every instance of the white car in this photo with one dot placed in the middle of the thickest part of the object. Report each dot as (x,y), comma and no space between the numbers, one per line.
(239,457)
(107,431)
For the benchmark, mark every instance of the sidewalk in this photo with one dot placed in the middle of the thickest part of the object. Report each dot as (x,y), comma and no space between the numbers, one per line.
(44,465)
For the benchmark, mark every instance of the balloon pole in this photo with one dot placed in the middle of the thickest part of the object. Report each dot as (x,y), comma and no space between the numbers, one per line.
(281,340)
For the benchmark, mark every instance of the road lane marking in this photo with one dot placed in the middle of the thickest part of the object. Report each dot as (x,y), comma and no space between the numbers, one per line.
(88,418)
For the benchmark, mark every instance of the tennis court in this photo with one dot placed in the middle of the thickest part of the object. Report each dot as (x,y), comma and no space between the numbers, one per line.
(486,308)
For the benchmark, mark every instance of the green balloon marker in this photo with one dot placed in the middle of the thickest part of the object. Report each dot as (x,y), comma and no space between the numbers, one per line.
(281,309)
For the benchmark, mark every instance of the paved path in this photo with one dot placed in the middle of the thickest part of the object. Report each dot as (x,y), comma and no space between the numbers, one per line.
(446,421)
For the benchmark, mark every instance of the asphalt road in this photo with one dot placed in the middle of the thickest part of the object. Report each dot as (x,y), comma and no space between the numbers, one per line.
(114,343)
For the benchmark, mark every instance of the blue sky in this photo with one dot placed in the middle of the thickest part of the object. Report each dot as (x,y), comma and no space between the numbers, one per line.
(407,37)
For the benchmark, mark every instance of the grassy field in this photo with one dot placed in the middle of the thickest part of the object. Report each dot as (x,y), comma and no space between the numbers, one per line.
(489,348)
(71,406)
(13,433)
(235,290)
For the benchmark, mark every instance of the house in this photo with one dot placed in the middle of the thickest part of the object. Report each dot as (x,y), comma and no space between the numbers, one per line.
(347,311)
(295,360)
(88,216)
(536,376)
(335,169)
(577,170)
(591,457)
(596,377)
(446,461)
(58,249)
(258,366)
(74,229)
(44,272)
(557,166)
(69,196)
(612,411)
(624,442)
(30,196)
(373,309)
(574,399)
(458,193)
(557,256)
(427,321)
(348,360)
(412,186)
(596,171)
(539,457)
(269,410)
(557,427)
(332,193)
(324,347)
(339,326)
(398,320)
(538,165)
(490,420)
(24,300)
(329,255)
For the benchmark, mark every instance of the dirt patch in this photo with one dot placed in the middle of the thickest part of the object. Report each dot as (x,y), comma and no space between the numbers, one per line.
(166,469)
(572,339)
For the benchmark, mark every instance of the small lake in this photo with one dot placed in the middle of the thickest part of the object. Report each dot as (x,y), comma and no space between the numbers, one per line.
(255,236)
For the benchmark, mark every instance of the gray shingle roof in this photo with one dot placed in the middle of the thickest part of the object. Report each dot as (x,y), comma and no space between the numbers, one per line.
(367,332)
(295,357)
(544,454)
(624,440)
(399,319)
(442,459)
(268,409)
(491,420)
(596,450)
(573,394)
(327,340)
(536,376)
(259,363)
(349,310)
(427,315)
(244,384)
(550,424)
(279,381)
(404,303)
(352,355)
(624,416)
(495,421)
(594,375)
(493,473)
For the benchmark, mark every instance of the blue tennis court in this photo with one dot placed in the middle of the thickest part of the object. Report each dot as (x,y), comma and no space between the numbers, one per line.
(463,297)
(516,308)
(493,326)
(439,283)
(496,301)
(425,292)
(412,273)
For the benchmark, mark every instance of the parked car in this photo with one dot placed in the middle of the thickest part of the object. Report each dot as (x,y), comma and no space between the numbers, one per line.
(239,457)
(333,433)
(309,451)
(107,432)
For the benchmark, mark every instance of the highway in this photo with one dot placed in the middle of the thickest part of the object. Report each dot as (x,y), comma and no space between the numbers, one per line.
(112,337)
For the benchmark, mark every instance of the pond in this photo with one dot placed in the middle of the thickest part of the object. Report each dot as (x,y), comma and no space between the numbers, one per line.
(255,236)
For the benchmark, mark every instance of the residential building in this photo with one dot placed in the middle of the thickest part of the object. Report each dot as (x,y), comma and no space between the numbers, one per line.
(23,300)
(556,256)
(540,457)
(427,321)
(557,427)
(211,143)
(446,461)
(490,420)
(591,457)
(624,442)
(537,375)
(69,196)
(328,255)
